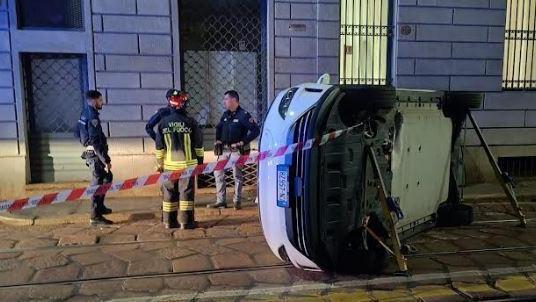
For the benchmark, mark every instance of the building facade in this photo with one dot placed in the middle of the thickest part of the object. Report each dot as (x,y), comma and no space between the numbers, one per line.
(134,50)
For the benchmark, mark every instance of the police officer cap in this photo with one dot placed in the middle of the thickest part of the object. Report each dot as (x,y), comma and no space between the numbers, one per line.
(172,92)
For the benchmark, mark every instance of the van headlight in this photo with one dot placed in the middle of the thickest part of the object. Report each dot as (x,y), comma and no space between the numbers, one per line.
(285,102)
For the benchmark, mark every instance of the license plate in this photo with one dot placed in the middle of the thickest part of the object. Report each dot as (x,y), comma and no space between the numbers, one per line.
(282,186)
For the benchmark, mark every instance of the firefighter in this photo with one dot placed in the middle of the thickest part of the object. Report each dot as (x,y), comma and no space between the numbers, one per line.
(89,131)
(179,144)
(157,116)
(155,119)
(236,129)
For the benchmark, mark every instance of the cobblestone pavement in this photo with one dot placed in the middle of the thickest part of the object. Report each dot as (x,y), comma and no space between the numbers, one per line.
(227,259)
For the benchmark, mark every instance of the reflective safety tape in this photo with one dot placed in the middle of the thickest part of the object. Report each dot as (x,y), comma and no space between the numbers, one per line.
(180,171)
(170,206)
(186,205)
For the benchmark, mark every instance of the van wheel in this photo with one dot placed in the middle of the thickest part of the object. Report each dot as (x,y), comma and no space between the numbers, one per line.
(361,253)
(450,215)
(379,98)
(464,100)
(359,258)
(369,98)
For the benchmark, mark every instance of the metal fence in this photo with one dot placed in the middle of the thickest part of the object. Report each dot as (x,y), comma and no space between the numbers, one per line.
(519,70)
(366,33)
(222,49)
(521,166)
(54,86)
(250,178)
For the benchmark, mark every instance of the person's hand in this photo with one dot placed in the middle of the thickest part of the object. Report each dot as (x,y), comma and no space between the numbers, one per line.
(237,145)
(109,166)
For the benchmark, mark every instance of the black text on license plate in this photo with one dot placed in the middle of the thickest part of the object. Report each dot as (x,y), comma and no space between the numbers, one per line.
(282,186)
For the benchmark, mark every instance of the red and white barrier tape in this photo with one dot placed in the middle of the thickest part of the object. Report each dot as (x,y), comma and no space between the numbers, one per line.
(138,182)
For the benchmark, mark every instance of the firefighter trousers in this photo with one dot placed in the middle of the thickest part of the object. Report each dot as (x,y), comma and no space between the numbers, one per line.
(178,204)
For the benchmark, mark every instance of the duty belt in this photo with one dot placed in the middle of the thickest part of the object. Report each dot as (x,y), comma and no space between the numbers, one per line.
(229,148)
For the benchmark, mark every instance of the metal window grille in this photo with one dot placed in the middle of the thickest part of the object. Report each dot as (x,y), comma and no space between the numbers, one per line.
(223,47)
(522,166)
(519,69)
(249,172)
(365,38)
(54,87)
(50,14)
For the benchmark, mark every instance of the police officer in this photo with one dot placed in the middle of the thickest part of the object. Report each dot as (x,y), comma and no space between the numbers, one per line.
(157,116)
(235,131)
(179,144)
(89,131)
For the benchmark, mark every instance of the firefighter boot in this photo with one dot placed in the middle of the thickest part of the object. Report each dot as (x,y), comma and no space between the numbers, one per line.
(169,215)
(186,215)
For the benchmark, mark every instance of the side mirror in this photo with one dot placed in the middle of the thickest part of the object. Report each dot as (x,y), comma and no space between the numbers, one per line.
(324,79)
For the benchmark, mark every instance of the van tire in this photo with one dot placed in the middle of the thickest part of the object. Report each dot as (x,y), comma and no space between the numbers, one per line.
(379,98)
(361,253)
(370,98)
(464,100)
(451,215)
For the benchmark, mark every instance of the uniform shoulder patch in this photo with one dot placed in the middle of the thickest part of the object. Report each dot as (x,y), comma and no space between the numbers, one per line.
(95,122)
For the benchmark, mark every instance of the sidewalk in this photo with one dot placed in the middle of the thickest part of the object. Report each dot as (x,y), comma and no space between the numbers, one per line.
(485,192)
(124,209)
(129,208)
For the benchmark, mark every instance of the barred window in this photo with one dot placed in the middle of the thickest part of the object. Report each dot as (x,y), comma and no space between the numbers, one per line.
(519,69)
(364,41)
(50,14)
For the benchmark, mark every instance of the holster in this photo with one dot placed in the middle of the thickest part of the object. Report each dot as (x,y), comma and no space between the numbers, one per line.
(88,154)
(218,149)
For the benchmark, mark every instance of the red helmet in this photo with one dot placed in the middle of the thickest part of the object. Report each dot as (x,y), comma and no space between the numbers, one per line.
(178,99)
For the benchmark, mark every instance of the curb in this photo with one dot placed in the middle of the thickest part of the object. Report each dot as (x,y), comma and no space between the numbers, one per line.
(493,197)
(13,220)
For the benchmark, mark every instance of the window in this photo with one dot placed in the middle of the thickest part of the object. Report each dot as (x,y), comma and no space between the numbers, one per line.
(522,166)
(54,87)
(365,37)
(50,14)
(519,69)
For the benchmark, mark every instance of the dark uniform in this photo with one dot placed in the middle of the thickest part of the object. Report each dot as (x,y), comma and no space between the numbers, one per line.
(234,127)
(155,119)
(96,155)
(179,144)
(157,116)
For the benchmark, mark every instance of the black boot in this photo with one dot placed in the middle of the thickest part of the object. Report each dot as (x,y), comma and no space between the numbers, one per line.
(186,219)
(170,220)
(217,206)
(105,211)
(99,220)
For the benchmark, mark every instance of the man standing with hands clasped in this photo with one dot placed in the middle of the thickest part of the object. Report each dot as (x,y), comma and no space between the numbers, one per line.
(234,132)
